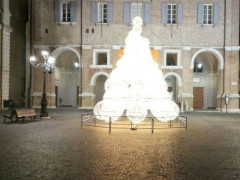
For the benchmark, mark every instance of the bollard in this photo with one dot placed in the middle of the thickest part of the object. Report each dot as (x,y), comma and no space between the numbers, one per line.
(186,123)
(152,125)
(110,125)
(182,106)
(81,120)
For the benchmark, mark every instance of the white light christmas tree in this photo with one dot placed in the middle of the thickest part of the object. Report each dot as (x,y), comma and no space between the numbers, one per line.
(136,87)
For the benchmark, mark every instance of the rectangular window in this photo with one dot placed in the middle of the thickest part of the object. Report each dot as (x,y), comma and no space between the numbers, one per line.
(171,59)
(136,10)
(65,9)
(102,13)
(207,14)
(101,58)
(171,13)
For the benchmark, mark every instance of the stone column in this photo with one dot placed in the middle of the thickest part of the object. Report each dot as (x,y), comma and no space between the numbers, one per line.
(187,77)
(5,50)
(87,95)
(231,78)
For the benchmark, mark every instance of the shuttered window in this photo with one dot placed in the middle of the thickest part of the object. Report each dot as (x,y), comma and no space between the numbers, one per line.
(172,13)
(65,7)
(136,10)
(207,14)
(131,10)
(65,11)
(102,12)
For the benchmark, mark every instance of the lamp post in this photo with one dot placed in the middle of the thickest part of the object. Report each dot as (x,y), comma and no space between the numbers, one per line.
(47,66)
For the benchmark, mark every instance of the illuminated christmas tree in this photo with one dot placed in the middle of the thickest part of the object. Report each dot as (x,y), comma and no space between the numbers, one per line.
(136,86)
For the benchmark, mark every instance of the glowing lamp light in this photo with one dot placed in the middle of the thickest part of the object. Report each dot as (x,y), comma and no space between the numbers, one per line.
(76,65)
(51,60)
(33,60)
(45,54)
(136,86)
(199,66)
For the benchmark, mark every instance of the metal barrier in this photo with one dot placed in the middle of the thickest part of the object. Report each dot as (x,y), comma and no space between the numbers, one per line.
(89,119)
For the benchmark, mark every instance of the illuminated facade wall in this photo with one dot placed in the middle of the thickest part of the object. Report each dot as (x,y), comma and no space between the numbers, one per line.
(177,41)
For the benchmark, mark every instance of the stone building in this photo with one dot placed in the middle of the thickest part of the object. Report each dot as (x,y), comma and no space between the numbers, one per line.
(195,43)
(13,18)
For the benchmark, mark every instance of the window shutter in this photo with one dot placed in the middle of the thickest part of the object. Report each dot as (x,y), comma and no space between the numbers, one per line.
(73,13)
(94,12)
(164,13)
(180,13)
(127,13)
(57,11)
(216,13)
(110,12)
(147,12)
(200,13)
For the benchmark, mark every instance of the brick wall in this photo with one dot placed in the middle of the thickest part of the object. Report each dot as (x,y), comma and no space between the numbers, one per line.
(188,37)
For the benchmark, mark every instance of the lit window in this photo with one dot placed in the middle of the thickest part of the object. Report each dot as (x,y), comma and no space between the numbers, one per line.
(102,12)
(172,13)
(136,10)
(66,16)
(207,14)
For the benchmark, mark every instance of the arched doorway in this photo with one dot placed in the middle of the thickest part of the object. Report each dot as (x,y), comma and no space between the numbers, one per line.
(172,86)
(173,81)
(67,78)
(205,77)
(99,88)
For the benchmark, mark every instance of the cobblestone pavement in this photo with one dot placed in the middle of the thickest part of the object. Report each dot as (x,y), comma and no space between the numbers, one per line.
(58,148)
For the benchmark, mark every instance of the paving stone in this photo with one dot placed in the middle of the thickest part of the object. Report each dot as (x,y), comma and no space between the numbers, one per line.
(58,148)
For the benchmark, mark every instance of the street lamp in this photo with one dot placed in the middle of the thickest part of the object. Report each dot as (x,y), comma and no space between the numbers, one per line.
(47,66)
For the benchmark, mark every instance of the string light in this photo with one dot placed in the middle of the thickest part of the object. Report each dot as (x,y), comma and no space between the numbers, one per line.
(136,87)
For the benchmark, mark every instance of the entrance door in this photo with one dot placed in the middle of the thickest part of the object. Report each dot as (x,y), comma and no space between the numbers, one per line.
(198,97)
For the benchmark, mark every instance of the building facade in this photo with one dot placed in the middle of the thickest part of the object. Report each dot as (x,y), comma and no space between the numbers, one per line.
(195,43)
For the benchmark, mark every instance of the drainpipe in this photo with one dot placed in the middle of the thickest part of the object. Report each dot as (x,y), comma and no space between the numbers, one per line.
(31,52)
(224,54)
(1,103)
(239,53)
(81,69)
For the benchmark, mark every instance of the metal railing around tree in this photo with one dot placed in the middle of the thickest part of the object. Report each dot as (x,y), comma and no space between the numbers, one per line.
(150,122)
